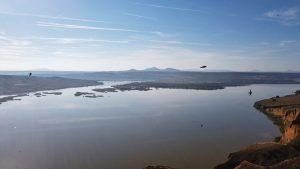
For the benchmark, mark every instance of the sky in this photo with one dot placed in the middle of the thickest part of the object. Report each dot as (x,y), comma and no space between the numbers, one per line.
(97,35)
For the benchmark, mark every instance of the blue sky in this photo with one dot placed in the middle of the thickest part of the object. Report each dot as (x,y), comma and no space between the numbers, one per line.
(122,34)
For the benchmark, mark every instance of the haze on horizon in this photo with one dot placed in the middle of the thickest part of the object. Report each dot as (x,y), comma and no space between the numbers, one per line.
(92,35)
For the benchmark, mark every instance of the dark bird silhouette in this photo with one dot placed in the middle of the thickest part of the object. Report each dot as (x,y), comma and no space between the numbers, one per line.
(250,92)
(29,74)
(203,67)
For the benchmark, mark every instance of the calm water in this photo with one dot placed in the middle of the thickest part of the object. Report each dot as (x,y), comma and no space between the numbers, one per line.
(130,130)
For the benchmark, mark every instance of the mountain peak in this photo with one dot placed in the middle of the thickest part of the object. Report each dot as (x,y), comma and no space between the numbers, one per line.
(152,69)
(161,70)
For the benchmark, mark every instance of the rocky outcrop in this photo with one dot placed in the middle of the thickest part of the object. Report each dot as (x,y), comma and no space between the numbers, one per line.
(290,133)
(281,154)
(285,112)
(158,167)
(293,163)
(263,154)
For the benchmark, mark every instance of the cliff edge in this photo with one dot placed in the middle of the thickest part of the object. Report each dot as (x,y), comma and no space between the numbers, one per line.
(284,152)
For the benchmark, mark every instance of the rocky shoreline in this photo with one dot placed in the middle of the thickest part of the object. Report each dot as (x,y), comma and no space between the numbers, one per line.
(283,152)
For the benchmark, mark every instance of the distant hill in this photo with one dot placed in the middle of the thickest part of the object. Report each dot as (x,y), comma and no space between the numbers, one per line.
(293,71)
(152,69)
(132,70)
(155,69)
(171,70)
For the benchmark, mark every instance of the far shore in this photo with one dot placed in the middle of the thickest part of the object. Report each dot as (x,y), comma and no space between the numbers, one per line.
(13,85)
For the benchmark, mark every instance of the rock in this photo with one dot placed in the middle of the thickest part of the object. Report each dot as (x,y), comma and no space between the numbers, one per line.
(293,163)
(38,94)
(285,113)
(93,96)
(54,93)
(159,167)
(248,165)
(265,154)
(83,93)
(290,133)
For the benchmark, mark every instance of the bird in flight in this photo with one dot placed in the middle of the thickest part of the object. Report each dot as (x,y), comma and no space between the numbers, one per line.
(203,67)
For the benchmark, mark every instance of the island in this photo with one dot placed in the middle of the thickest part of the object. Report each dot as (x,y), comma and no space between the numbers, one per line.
(283,152)
(94,96)
(11,98)
(145,86)
(83,94)
(87,94)
(53,93)
(13,87)
(195,80)
(105,90)
(11,84)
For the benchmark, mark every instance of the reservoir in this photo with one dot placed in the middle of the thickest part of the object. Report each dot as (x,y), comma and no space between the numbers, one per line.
(186,129)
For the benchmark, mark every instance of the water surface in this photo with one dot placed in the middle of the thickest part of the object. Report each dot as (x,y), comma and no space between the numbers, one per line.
(188,129)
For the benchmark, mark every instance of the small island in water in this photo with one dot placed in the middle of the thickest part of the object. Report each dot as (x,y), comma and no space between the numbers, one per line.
(281,153)
(12,87)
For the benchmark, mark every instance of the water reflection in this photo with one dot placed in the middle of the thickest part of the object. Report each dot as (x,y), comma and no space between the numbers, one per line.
(130,130)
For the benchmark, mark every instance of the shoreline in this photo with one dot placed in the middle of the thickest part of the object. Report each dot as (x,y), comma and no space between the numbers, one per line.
(146,86)
(13,87)
(283,152)
(283,111)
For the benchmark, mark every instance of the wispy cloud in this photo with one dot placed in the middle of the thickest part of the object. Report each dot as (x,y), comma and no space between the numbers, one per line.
(175,42)
(80,40)
(11,48)
(140,16)
(164,35)
(289,43)
(287,17)
(83,27)
(171,7)
(51,17)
